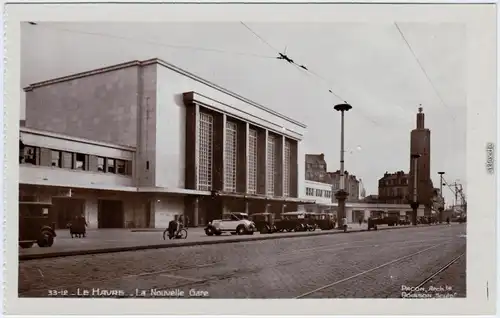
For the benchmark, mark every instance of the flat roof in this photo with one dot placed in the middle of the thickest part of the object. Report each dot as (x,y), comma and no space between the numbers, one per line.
(169,66)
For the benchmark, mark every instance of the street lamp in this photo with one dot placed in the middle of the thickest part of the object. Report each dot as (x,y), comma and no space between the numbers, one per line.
(341,194)
(414,204)
(441,206)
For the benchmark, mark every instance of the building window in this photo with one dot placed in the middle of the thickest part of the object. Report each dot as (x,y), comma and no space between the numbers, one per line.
(67,160)
(56,158)
(111,166)
(205,152)
(230,157)
(80,162)
(30,154)
(252,161)
(100,164)
(271,164)
(310,192)
(286,168)
(120,167)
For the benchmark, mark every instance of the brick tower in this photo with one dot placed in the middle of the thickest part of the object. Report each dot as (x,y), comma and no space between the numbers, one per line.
(421,144)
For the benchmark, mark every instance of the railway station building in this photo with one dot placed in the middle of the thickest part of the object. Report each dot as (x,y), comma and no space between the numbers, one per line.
(139,143)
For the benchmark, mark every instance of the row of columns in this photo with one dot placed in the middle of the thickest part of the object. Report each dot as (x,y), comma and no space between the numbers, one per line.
(242,155)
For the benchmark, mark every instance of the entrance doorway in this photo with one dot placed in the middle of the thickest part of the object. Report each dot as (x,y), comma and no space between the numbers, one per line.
(110,214)
(66,209)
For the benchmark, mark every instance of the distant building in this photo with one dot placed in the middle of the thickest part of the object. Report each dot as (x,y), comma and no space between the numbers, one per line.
(316,168)
(393,188)
(321,193)
(351,185)
(372,198)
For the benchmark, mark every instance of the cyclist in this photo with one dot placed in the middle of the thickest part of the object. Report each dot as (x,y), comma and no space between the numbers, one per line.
(173,229)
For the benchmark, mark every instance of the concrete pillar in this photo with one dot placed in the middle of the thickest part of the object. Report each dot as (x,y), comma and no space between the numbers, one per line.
(366,214)
(218,152)
(192,147)
(242,158)
(223,149)
(247,207)
(294,176)
(262,161)
(268,208)
(280,165)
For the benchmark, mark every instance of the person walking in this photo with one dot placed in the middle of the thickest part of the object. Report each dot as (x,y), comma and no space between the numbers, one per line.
(344,224)
(360,221)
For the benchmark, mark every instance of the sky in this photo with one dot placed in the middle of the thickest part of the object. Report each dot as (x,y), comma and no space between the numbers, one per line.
(369,65)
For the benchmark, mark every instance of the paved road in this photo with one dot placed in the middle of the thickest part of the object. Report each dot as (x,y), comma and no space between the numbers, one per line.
(363,264)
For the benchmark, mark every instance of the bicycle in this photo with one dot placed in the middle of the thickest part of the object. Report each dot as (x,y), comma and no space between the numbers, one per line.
(181,233)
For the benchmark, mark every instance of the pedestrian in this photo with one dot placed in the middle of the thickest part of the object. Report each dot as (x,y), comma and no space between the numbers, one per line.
(186,219)
(344,224)
(360,221)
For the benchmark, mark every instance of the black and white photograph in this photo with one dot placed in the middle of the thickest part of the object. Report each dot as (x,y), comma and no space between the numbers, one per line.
(245,159)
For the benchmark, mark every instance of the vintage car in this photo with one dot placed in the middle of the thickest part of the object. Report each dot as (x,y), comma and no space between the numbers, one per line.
(373,222)
(324,221)
(232,222)
(34,225)
(264,222)
(462,219)
(293,221)
(404,220)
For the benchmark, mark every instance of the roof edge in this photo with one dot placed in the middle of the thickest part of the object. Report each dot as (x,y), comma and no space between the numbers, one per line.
(82,74)
(169,66)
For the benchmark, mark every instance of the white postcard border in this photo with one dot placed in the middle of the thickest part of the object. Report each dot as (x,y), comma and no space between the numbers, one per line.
(481,129)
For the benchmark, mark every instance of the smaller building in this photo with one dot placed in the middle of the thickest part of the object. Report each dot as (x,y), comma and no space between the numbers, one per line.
(351,185)
(316,169)
(321,193)
(393,188)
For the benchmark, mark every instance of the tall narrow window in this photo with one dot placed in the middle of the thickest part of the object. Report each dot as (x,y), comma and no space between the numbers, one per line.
(286,169)
(252,161)
(56,158)
(80,161)
(271,164)
(101,164)
(205,152)
(230,157)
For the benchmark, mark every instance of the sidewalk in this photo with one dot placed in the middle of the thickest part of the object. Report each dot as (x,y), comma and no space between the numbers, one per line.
(119,240)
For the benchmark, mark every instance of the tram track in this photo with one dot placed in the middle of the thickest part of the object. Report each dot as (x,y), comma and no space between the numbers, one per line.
(427,286)
(368,271)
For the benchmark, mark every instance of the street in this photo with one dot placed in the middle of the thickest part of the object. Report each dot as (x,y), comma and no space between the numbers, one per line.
(376,264)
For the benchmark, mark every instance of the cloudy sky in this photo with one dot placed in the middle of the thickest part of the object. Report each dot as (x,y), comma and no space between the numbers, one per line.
(368,65)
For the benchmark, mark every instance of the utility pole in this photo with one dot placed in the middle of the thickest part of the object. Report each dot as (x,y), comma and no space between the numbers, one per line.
(342,194)
(441,208)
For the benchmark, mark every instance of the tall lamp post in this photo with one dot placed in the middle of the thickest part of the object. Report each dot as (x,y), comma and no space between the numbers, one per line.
(341,194)
(441,206)
(414,204)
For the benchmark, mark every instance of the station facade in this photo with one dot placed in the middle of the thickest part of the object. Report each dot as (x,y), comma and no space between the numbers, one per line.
(139,143)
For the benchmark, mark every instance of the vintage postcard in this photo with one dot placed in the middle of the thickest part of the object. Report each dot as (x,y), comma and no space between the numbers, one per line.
(296,159)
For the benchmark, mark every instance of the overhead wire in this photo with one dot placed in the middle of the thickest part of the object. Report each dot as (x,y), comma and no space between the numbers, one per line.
(154,43)
(304,68)
(422,68)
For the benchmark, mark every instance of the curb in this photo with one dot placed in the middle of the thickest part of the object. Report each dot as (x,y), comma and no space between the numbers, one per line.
(193,243)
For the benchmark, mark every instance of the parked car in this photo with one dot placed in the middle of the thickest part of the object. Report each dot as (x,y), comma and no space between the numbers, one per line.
(34,225)
(323,221)
(293,221)
(404,220)
(234,222)
(264,222)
